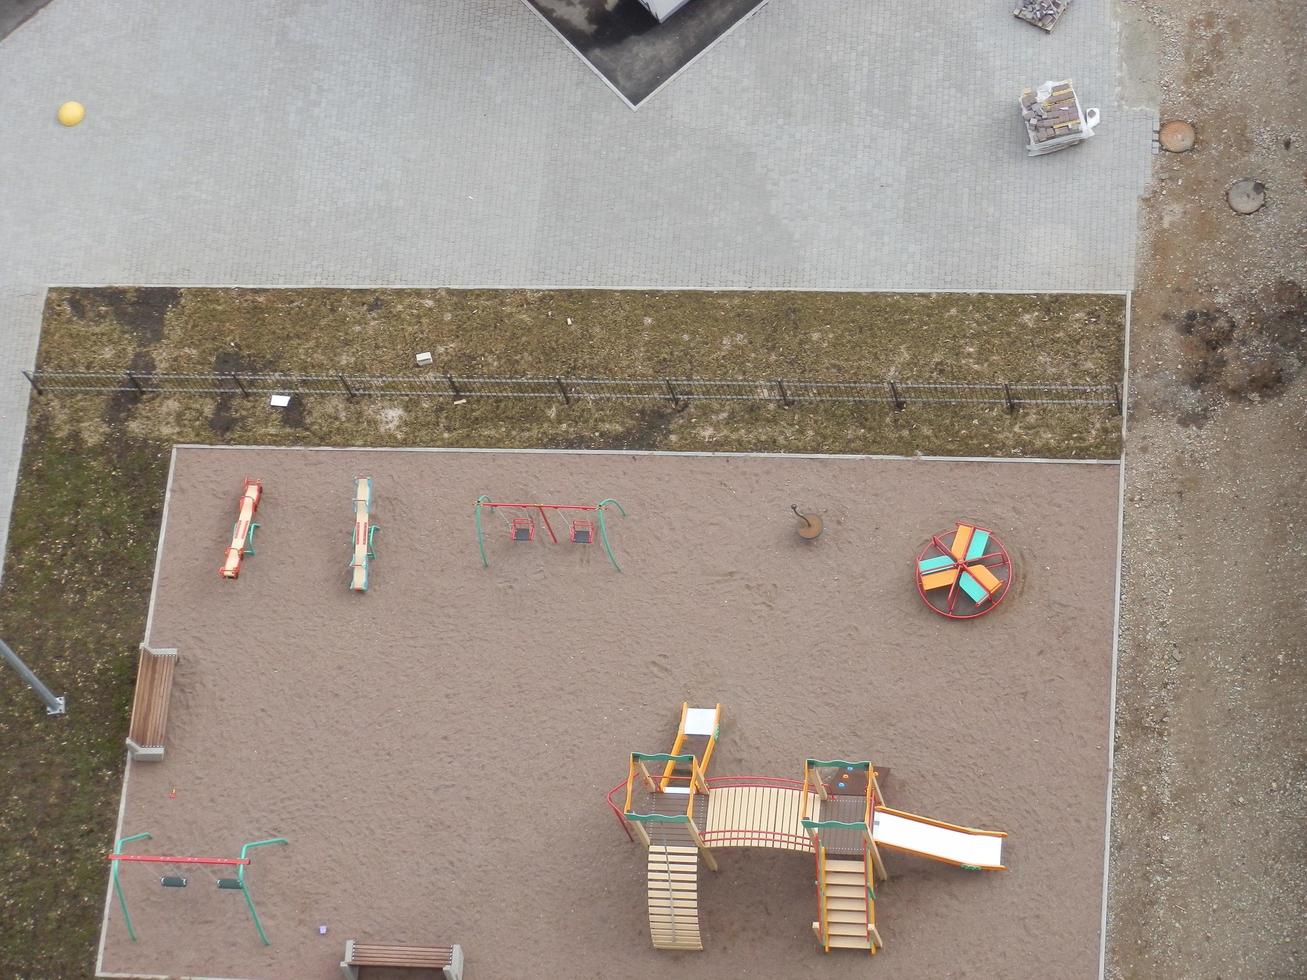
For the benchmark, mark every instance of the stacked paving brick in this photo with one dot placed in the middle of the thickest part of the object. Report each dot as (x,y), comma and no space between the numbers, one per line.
(1053,117)
(1041,13)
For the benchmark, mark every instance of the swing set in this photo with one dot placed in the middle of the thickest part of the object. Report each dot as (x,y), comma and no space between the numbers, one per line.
(580,530)
(117,858)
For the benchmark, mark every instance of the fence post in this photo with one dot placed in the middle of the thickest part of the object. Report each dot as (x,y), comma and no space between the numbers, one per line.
(349,392)
(785,395)
(671,391)
(53,705)
(1116,396)
(135,384)
(453,386)
(240,384)
(562,389)
(1007,397)
(32,381)
(899,403)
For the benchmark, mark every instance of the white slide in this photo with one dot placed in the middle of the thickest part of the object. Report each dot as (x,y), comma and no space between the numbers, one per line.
(946,842)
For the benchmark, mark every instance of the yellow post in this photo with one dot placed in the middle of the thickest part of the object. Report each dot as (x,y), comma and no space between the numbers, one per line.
(877,864)
(824,934)
(821,787)
(704,853)
(697,779)
(649,783)
(641,833)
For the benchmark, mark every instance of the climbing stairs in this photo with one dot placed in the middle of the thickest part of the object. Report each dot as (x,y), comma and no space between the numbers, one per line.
(674,896)
(848,912)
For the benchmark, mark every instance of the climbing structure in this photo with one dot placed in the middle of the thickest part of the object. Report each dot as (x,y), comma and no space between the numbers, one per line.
(836,813)
(669,830)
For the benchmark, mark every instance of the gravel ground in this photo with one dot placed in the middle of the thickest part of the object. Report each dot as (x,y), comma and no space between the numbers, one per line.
(1211,754)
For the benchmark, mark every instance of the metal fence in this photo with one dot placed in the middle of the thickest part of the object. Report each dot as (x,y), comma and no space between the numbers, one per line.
(676,391)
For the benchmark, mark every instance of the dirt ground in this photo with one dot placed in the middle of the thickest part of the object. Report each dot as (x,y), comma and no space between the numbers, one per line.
(1208,849)
(437,750)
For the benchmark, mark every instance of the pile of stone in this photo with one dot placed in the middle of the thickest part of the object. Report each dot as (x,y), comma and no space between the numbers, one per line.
(1041,13)
(1054,119)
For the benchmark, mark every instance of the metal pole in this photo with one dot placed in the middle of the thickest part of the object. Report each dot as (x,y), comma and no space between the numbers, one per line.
(117,885)
(239,383)
(895,397)
(240,876)
(135,384)
(676,399)
(53,705)
(32,381)
(785,395)
(481,537)
(603,527)
(562,388)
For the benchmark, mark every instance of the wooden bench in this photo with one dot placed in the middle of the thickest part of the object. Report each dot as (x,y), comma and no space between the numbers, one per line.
(447,959)
(150,703)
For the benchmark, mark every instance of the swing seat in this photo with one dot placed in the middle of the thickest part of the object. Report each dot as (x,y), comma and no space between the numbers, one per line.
(173,881)
(231,883)
(522,529)
(582,532)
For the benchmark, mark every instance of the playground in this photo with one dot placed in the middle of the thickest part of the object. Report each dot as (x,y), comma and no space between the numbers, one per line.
(436,747)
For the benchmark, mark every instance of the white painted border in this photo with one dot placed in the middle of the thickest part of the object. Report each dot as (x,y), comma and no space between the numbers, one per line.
(653,452)
(636,288)
(127,770)
(108,898)
(635,106)
(158,557)
(1116,648)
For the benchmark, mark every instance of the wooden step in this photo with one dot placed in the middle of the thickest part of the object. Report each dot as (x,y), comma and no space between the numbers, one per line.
(845,878)
(678,869)
(847,915)
(662,904)
(838,864)
(849,942)
(847,891)
(846,904)
(847,928)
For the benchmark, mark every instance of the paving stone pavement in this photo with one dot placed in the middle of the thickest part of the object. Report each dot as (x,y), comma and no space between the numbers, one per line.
(824,144)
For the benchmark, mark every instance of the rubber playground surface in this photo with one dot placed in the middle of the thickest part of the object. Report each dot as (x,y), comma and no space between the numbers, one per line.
(437,750)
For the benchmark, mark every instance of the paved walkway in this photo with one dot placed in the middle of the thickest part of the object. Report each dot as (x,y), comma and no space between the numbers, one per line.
(414,143)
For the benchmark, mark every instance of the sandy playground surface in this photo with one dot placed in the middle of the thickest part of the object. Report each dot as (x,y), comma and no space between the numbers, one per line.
(437,751)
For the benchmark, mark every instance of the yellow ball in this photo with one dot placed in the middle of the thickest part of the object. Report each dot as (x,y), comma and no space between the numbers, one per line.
(71,113)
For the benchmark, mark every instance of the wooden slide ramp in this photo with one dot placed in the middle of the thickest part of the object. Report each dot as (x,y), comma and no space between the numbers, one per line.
(674,896)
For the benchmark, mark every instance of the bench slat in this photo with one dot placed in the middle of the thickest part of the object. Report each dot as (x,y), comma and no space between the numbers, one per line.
(417,957)
(149,721)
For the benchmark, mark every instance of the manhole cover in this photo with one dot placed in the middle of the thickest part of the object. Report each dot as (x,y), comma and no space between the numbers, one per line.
(1246,196)
(1176,136)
